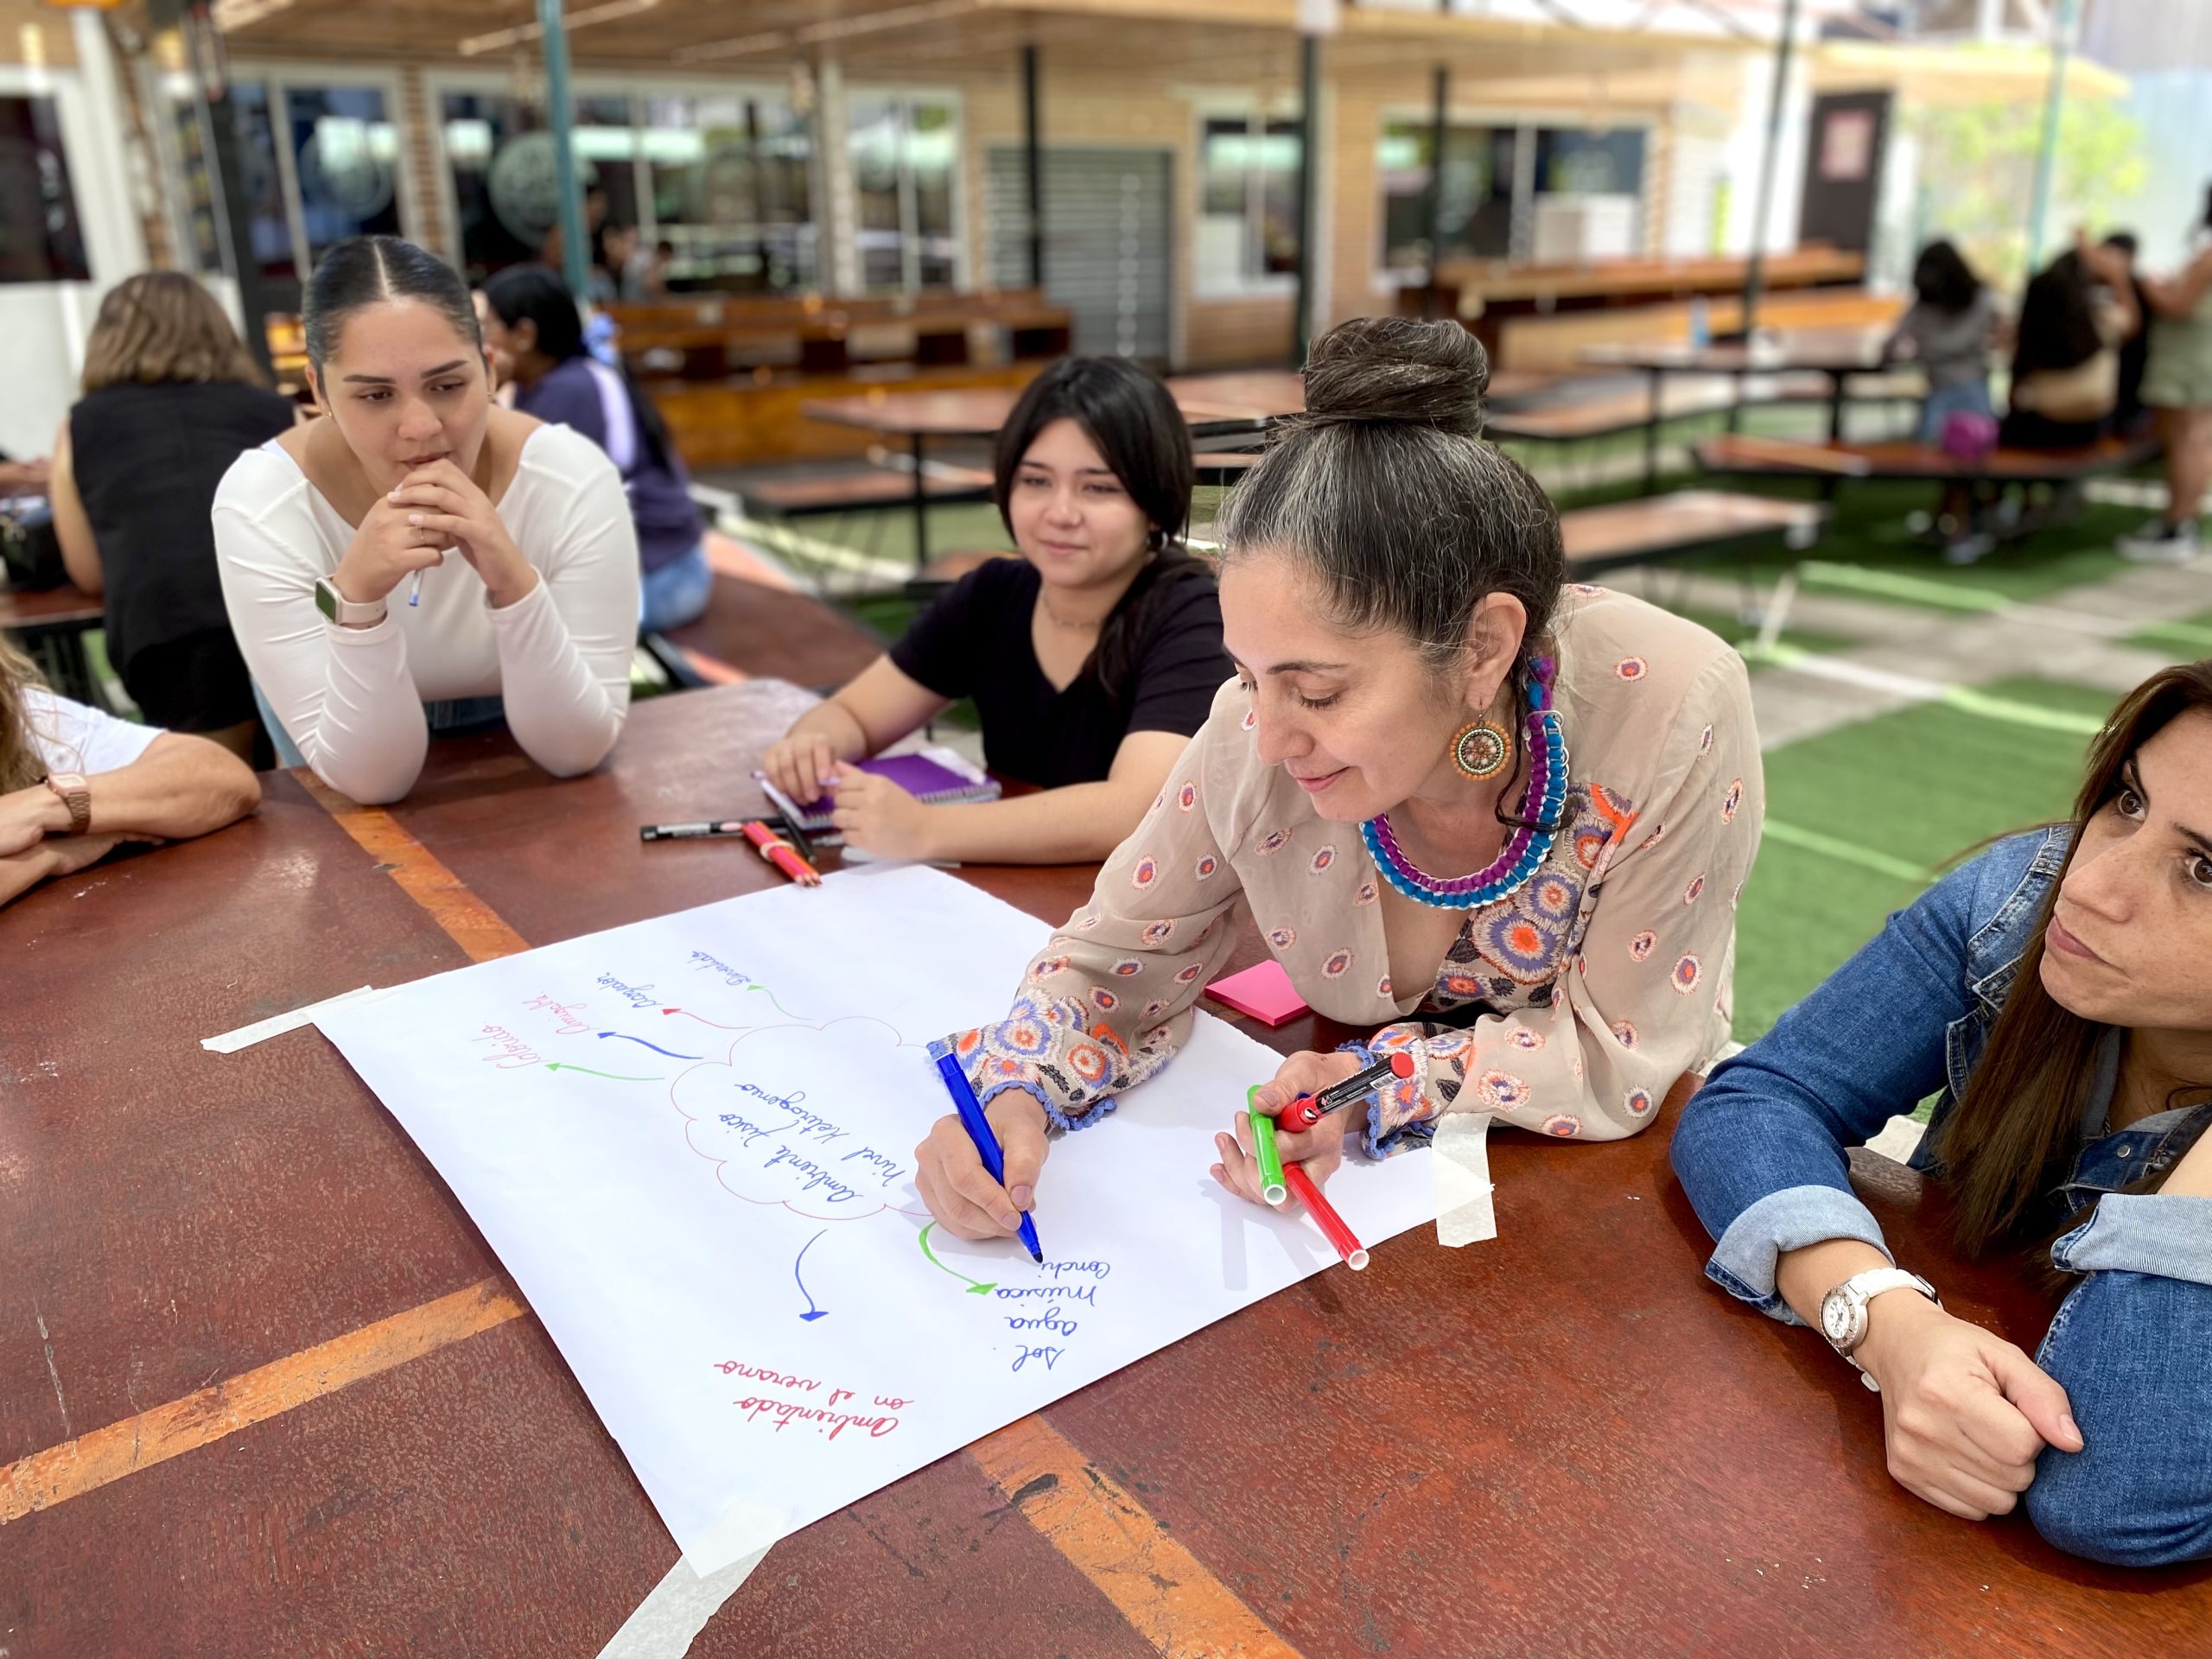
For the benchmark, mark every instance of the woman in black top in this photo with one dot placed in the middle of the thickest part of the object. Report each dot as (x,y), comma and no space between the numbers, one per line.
(171,399)
(1092,658)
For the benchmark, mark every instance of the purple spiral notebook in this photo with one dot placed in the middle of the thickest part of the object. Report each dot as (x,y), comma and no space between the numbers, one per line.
(935,777)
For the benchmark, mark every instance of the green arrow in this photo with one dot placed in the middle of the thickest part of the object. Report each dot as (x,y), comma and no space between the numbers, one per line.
(975,1286)
(563,1065)
(771,996)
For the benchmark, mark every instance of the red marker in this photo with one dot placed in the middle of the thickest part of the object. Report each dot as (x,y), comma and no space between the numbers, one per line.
(777,852)
(1325,1216)
(1308,1110)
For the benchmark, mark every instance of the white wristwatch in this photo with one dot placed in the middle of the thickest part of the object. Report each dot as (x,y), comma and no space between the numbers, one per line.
(343,611)
(1843,1310)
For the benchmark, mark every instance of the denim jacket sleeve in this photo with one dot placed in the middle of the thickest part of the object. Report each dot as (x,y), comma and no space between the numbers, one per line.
(1762,1149)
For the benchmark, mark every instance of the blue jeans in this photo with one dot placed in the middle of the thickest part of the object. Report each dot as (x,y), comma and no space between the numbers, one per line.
(454,717)
(1943,402)
(677,593)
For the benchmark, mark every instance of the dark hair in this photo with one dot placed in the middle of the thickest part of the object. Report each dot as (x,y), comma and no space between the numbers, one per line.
(1941,278)
(2206,220)
(537,294)
(364,270)
(2057,330)
(2016,1128)
(1385,489)
(2125,241)
(1131,419)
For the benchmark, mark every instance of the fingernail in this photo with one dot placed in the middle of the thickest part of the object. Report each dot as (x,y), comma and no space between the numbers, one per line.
(414,519)
(1009,1220)
(2066,1421)
(1025,1197)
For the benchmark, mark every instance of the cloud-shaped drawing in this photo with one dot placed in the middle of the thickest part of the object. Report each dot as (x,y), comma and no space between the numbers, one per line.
(785,1121)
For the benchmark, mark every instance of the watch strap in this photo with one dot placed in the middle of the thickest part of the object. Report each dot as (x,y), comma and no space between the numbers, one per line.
(345,613)
(77,795)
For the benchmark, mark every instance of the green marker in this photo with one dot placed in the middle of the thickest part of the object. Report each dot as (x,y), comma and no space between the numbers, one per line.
(1272,1187)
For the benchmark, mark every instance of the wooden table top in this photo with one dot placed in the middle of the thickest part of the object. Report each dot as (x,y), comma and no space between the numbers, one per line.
(1209,403)
(1751,454)
(264,1388)
(1831,351)
(1499,279)
(29,609)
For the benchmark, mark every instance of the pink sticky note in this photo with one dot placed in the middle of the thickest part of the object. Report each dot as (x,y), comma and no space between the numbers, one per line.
(1264,992)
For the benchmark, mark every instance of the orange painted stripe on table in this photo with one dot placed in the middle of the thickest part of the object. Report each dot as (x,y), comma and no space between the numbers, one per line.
(90,1461)
(471,924)
(1157,1584)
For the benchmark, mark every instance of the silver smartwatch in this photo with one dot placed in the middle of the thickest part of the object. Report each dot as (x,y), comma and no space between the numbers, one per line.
(1843,1310)
(343,611)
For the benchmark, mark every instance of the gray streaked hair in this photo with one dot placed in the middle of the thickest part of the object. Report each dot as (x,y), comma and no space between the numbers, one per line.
(1386,490)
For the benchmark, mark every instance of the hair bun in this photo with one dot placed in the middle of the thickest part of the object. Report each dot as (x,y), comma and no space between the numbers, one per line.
(1399,370)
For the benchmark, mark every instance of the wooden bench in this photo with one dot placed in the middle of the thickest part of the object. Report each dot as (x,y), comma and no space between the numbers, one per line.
(1757,457)
(1656,527)
(851,490)
(51,624)
(754,632)
(941,572)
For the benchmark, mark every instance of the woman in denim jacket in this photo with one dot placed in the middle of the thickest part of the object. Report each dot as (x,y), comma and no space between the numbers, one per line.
(2057,989)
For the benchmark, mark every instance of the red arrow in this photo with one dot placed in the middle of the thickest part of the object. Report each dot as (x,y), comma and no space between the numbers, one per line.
(703,1019)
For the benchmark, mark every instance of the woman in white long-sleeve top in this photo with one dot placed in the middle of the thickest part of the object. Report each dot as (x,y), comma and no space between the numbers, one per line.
(363,635)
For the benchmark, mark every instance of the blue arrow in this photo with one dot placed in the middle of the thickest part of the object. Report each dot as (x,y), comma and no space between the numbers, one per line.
(656,1048)
(812,1312)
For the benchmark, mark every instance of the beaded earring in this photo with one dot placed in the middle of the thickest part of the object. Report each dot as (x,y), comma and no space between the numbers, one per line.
(1480,750)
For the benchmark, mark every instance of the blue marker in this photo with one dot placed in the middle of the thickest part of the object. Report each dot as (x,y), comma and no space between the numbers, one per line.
(987,1144)
(415,589)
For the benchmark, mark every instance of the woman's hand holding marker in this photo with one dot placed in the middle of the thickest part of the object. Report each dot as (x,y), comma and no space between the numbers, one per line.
(1320,1148)
(950,1174)
(440,501)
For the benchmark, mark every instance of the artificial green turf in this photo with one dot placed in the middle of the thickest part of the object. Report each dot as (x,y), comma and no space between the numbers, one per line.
(2187,640)
(1923,785)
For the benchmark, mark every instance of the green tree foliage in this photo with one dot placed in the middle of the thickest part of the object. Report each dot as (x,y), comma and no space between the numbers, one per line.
(1978,168)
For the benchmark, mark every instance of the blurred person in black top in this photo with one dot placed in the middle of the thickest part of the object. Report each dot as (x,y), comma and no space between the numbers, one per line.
(1091,657)
(172,397)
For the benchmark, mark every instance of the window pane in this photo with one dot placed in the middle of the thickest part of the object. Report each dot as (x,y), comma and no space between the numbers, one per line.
(347,161)
(730,191)
(1282,213)
(268,229)
(932,154)
(1587,190)
(1574,163)
(506,195)
(875,136)
(194,185)
(40,238)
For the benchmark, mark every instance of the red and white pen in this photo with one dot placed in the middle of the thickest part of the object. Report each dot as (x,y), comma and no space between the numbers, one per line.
(1306,1110)
(779,852)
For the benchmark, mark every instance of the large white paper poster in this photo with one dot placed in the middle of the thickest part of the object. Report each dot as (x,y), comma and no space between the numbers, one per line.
(691,1141)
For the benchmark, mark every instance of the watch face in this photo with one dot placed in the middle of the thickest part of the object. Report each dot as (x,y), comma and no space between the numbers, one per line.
(326,600)
(1835,1317)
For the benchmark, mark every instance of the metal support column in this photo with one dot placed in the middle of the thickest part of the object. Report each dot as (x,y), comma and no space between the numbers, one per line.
(1755,277)
(1438,132)
(561,115)
(1309,81)
(2062,46)
(1032,159)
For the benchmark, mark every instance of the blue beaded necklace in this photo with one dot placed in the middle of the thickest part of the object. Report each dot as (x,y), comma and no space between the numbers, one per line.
(1525,849)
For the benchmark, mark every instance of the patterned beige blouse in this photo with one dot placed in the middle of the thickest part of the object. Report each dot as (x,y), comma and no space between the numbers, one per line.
(1569,1006)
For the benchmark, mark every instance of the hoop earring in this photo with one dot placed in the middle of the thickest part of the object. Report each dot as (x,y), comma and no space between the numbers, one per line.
(1480,750)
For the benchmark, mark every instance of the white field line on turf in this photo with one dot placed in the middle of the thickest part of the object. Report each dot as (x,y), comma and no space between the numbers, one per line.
(1914,690)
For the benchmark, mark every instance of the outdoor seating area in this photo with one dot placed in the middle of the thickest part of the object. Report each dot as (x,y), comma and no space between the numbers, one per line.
(1272,827)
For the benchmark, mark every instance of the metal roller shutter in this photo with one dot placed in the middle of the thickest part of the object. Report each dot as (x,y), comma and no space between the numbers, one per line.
(1108,252)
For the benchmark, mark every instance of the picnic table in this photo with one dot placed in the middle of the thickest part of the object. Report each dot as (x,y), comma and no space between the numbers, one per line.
(264,1388)
(52,623)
